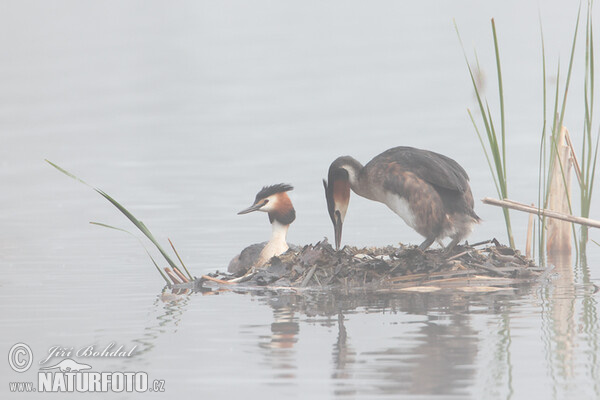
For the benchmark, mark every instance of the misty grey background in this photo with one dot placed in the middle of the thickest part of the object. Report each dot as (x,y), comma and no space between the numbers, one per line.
(183,111)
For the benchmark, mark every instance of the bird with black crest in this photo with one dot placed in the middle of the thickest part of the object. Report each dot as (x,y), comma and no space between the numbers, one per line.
(275,201)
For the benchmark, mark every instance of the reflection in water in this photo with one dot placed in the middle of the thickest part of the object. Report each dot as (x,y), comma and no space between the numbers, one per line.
(435,346)
(173,304)
(440,358)
(558,318)
(279,346)
(562,322)
(343,359)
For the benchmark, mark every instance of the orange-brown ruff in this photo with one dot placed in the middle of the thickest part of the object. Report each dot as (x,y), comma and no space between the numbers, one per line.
(429,191)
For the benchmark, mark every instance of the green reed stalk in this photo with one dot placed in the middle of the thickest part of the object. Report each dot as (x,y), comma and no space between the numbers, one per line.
(497,148)
(543,156)
(141,243)
(139,224)
(589,151)
(546,166)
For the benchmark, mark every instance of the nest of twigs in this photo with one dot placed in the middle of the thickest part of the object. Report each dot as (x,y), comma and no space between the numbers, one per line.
(483,266)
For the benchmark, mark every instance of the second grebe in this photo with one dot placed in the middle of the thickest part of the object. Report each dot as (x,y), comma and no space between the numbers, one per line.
(274,201)
(429,191)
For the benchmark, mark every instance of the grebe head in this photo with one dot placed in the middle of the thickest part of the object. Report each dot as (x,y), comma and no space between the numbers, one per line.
(274,201)
(342,172)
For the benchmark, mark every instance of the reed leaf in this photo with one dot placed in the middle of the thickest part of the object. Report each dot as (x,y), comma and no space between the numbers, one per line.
(139,224)
(180,260)
(589,150)
(543,154)
(497,149)
(141,243)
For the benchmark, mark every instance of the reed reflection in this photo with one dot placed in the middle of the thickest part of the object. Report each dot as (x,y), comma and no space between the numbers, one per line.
(570,321)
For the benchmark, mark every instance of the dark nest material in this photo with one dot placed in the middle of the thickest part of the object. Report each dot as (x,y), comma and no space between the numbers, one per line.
(486,266)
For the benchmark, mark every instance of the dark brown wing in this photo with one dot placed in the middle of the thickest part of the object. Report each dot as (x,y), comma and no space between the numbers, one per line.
(431,167)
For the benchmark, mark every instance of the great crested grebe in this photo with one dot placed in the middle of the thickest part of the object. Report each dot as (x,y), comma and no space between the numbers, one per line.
(274,201)
(429,191)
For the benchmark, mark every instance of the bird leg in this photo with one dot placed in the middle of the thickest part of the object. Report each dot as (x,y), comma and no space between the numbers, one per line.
(423,246)
(451,245)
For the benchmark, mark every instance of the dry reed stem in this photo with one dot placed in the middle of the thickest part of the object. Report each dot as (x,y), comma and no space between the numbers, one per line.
(172,275)
(529,241)
(180,275)
(218,280)
(559,195)
(515,205)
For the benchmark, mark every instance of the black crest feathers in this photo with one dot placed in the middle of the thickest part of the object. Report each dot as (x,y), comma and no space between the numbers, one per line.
(271,190)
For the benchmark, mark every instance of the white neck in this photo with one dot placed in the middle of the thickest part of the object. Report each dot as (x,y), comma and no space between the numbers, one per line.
(355,183)
(279,232)
(276,246)
(352,176)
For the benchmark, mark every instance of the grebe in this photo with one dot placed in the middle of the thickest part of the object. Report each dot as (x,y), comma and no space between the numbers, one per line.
(274,201)
(429,191)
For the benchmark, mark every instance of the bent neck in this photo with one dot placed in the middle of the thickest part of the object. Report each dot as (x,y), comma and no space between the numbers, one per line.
(354,169)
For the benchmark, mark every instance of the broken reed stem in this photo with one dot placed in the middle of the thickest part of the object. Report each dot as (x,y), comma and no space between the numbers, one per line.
(529,234)
(180,260)
(574,158)
(558,197)
(181,275)
(172,275)
(514,205)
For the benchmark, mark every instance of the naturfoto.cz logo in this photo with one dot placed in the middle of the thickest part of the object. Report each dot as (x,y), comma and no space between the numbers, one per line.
(69,375)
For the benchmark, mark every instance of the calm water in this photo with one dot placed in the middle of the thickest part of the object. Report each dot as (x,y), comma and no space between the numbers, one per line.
(183,111)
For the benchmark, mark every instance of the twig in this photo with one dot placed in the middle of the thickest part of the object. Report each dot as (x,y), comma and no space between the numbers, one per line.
(540,212)
(481,243)
(210,278)
(246,277)
(489,268)
(308,276)
(458,255)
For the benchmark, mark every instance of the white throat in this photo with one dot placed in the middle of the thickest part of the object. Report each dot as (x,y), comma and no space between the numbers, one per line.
(352,176)
(355,183)
(277,245)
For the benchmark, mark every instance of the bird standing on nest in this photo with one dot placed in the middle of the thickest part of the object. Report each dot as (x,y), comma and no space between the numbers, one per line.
(429,191)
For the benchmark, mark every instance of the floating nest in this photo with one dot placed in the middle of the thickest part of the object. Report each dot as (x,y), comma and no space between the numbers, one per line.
(485,266)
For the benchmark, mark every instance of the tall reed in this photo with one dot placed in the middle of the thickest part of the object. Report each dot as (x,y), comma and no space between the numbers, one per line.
(589,150)
(495,146)
(546,163)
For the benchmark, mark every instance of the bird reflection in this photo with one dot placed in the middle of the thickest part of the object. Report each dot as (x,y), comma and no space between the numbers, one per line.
(279,345)
(440,358)
(343,358)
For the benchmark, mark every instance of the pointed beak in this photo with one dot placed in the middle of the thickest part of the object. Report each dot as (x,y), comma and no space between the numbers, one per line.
(337,228)
(254,207)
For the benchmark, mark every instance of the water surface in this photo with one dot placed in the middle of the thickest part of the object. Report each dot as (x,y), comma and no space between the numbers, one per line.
(184,111)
